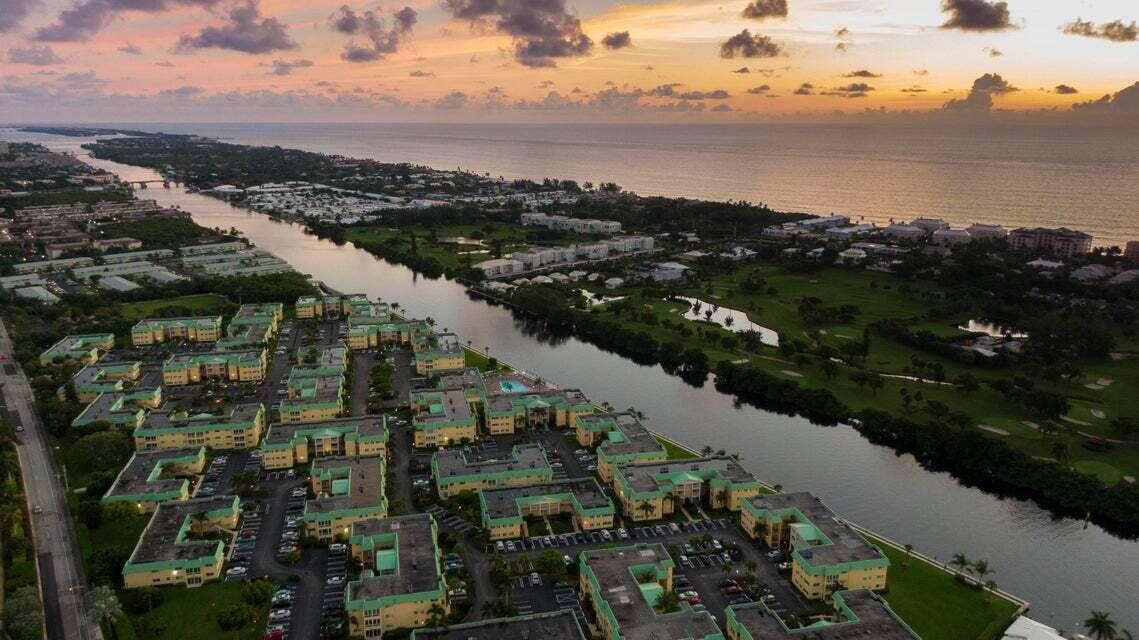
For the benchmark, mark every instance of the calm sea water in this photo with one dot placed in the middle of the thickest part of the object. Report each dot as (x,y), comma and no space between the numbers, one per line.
(1085,178)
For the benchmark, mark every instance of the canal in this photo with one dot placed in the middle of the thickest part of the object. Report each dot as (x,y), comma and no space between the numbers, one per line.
(1064,568)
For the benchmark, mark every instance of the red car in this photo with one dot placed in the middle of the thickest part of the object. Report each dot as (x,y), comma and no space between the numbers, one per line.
(732,590)
(276,635)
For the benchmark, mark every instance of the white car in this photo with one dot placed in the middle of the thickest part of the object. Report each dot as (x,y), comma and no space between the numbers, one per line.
(280,614)
(236,571)
(335,580)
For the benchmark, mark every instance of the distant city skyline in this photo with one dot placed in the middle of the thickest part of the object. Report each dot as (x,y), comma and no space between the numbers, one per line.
(566,60)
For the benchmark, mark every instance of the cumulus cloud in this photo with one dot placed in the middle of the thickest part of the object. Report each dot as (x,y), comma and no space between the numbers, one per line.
(746,45)
(13,12)
(980,98)
(852,90)
(993,52)
(764,9)
(805,89)
(1124,102)
(669,91)
(451,101)
(1116,30)
(420,73)
(285,67)
(542,31)
(381,38)
(845,39)
(245,31)
(760,90)
(33,55)
(1065,90)
(83,20)
(862,73)
(976,15)
(617,40)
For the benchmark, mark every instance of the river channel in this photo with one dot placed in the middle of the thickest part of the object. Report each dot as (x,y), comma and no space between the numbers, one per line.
(1062,567)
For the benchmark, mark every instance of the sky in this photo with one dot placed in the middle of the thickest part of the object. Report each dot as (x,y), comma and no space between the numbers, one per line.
(567,60)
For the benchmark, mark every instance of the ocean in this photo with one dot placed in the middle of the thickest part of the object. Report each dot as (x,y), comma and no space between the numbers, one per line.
(1085,178)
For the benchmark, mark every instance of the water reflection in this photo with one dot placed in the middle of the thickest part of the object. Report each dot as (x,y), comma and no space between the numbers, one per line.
(733,320)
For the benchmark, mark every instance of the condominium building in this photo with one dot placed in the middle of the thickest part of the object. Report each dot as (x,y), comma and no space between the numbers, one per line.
(402,584)
(1061,242)
(357,304)
(157,330)
(172,429)
(505,509)
(619,438)
(508,413)
(367,332)
(626,584)
(827,555)
(120,408)
(232,366)
(166,553)
(253,325)
(457,470)
(87,348)
(979,231)
(655,490)
(291,445)
(559,625)
(440,418)
(102,377)
(856,615)
(308,307)
(313,394)
(348,490)
(565,223)
(437,352)
(153,477)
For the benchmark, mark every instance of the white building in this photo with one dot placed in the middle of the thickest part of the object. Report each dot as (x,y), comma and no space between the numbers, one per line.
(614,283)
(952,236)
(737,254)
(851,256)
(500,267)
(987,231)
(565,223)
(815,224)
(905,232)
(846,233)
(667,272)
(930,224)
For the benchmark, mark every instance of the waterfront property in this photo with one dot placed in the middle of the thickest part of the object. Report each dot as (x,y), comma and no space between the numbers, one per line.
(347,490)
(369,332)
(253,325)
(626,584)
(231,366)
(290,445)
(457,470)
(174,429)
(153,477)
(102,377)
(555,625)
(402,581)
(159,330)
(172,549)
(332,306)
(619,438)
(655,490)
(1061,242)
(827,555)
(508,413)
(120,408)
(439,418)
(313,393)
(857,614)
(87,348)
(504,510)
(436,352)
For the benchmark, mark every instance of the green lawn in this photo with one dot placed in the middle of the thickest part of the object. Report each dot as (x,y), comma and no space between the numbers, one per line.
(478,360)
(675,452)
(937,606)
(203,303)
(449,255)
(191,614)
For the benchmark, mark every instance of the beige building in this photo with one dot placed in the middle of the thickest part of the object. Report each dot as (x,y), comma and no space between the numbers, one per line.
(295,444)
(166,554)
(241,428)
(158,330)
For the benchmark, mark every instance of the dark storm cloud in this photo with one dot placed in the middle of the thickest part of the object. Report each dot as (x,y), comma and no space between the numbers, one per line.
(862,73)
(83,20)
(980,96)
(746,45)
(976,15)
(543,30)
(285,67)
(764,9)
(33,55)
(1065,90)
(245,31)
(382,39)
(669,91)
(760,90)
(1116,30)
(1125,101)
(617,40)
(805,89)
(13,12)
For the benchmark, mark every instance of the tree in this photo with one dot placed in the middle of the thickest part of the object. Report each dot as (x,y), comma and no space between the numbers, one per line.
(909,552)
(1100,626)
(647,509)
(668,601)
(104,606)
(981,568)
(236,617)
(1062,452)
(23,615)
(990,586)
(551,563)
(959,562)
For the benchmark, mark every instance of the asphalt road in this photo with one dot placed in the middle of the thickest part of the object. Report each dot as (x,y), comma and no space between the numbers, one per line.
(63,584)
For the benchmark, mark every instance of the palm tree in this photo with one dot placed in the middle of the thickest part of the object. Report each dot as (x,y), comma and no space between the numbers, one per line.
(437,616)
(959,562)
(990,586)
(981,568)
(1101,626)
(909,551)
(705,451)
(647,508)
(104,606)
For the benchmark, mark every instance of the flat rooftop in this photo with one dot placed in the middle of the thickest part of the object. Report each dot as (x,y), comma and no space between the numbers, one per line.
(504,402)
(165,418)
(200,359)
(870,617)
(636,618)
(407,558)
(846,544)
(449,405)
(627,435)
(558,625)
(503,502)
(143,472)
(364,426)
(650,477)
(161,540)
(357,483)
(457,462)
(201,322)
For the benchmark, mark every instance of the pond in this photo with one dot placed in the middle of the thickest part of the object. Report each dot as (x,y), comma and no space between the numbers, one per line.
(733,320)
(990,328)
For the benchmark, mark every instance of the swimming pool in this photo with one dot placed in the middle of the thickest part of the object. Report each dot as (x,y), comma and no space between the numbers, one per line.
(511,386)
